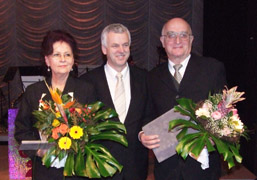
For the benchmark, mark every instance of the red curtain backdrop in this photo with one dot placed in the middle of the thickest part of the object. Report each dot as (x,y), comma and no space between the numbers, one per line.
(23,24)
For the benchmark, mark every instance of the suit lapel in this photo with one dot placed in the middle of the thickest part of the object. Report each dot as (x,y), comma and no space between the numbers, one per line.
(190,74)
(135,91)
(103,88)
(166,77)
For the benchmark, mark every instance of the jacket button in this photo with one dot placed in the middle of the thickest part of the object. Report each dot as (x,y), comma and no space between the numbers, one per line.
(177,96)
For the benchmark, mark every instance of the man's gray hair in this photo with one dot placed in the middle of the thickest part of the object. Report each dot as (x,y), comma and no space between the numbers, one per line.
(116,28)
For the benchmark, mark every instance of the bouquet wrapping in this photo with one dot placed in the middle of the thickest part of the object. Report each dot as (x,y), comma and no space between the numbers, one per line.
(217,123)
(74,129)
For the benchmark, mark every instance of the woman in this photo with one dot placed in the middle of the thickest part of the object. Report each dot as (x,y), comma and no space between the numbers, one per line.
(58,49)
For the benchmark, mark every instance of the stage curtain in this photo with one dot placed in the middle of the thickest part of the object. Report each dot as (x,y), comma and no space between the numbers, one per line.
(24,23)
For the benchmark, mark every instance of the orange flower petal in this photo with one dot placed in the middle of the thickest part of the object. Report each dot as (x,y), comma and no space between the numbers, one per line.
(55,96)
(68,104)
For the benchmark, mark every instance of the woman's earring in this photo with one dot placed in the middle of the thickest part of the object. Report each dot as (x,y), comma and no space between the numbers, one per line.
(71,69)
(48,69)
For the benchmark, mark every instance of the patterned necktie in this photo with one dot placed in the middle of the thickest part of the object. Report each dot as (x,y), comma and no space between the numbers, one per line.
(119,98)
(177,75)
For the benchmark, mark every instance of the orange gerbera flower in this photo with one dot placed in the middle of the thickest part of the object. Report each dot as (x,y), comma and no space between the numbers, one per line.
(63,128)
(55,132)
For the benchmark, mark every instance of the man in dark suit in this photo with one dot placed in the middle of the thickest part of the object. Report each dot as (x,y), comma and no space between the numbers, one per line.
(184,75)
(116,41)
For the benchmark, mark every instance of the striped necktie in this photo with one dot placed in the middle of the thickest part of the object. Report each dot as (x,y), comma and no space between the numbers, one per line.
(119,98)
(177,75)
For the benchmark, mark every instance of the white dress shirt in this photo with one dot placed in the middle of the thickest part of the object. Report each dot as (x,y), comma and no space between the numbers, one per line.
(110,74)
(182,69)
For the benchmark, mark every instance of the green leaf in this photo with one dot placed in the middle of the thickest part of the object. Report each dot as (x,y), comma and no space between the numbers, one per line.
(61,155)
(105,114)
(209,145)
(110,136)
(69,165)
(221,147)
(235,152)
(230,161)
(186,139)
(80,168)
(108,125)
(182,124)
(99,161)
(95,106)
(199,144)
(91,169)
(47,157)
(181,134)
(187,104)
(183,111)
(186,148)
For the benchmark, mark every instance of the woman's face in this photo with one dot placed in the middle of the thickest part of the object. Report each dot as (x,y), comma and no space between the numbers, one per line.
(61,60)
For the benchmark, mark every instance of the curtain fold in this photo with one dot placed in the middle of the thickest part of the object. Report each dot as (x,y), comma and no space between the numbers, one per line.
(24,23)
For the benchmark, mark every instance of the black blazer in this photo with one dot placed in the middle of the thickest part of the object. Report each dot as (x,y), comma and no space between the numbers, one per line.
(202,75)
(24,130)
(135,157)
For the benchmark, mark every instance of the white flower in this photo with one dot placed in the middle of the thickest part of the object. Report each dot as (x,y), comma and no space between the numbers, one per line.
(207,105)
(203,112)
(236,123)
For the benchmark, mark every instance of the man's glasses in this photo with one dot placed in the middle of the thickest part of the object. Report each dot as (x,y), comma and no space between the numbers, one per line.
(184,36)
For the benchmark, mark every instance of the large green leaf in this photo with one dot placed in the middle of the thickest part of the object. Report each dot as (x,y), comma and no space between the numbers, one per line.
(186,139)
(235,152)
(181,134)
(182,124)
(109,135)
(100,162)
(80,168)
(47,157)
(69,165)
(186,148)
(95,106)
(199,145)
(187,104)
(183,111)
(105,114)
(209,145)
(109,125)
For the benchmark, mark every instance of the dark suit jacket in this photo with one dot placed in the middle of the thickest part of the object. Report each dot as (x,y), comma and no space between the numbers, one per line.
(134,158)
(24,130)
(202,75)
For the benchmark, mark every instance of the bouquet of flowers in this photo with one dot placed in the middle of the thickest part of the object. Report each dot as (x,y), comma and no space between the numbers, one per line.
(216,121)
(73,128)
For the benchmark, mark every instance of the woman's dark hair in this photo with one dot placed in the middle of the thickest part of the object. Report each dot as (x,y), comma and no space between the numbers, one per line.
(55,36)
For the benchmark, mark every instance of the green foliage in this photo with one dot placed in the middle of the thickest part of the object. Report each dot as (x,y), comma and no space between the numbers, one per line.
(195,142)
(85,157)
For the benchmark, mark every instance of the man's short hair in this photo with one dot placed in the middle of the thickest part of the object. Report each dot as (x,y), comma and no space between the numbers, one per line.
(116,28)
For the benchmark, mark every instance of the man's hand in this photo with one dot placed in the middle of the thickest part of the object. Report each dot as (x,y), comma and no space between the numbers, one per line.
(149,142)
(41,152)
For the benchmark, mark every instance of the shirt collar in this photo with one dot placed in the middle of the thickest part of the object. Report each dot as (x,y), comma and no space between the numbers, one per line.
(112,72)
(184,63)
